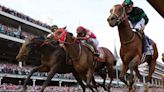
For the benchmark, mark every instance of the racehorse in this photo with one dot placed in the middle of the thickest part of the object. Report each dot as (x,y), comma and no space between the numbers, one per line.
(83,59)
(53,60)
(131,46)
(163,57)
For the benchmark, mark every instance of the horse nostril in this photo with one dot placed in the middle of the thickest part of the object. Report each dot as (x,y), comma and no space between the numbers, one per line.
(108,19)
(112,18)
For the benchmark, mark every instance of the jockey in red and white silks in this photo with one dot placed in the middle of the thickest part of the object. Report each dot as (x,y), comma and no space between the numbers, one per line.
(87,36)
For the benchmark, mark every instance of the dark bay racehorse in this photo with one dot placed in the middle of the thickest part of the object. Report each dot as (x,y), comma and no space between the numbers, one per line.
(131,46)
(163,57)
(53,60)
(83,60)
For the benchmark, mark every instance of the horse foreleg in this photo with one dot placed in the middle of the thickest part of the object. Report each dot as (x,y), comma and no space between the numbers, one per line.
(89,77)
(132,66)
(138,74)
(51,73)
(152,64)
(103,76)
(79,81)
(110,74)
(123,72)
(28,77)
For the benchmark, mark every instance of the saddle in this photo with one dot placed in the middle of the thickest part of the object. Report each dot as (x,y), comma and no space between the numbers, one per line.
(100,50)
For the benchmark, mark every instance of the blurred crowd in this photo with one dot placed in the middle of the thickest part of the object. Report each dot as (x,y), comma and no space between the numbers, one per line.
(14,32)
(11,87)
(25,70)
(8,68)
(23,16)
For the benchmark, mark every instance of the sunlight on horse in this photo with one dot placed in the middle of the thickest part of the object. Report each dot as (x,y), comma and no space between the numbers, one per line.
(131,46)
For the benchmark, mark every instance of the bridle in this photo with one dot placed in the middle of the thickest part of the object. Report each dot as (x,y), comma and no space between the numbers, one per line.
(121,17)
(70,43)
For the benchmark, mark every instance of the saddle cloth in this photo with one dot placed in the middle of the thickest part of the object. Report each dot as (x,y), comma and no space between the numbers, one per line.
(147,47)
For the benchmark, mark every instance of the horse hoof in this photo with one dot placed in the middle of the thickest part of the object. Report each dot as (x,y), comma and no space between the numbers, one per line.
(23,90)
(132,90)
(146,88)
(109,91)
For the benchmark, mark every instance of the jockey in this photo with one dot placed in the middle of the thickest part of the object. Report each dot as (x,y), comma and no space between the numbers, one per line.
(89,37)
(137,19)
(53,28)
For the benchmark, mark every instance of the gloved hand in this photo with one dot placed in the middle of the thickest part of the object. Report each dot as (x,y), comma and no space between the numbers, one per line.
(79,38)
(142,29)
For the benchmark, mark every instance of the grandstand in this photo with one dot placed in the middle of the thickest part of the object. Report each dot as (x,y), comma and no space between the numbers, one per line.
(14,28)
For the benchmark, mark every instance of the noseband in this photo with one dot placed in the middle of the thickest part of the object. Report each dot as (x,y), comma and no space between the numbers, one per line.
(120,17)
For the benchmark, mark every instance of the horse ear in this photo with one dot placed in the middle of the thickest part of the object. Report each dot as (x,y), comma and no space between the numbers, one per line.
(64,27)
(70,34)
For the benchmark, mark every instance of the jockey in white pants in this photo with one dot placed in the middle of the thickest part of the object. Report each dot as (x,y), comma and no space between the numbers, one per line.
(138,20)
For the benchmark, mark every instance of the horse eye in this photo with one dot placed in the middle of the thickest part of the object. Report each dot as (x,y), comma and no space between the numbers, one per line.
(58,33)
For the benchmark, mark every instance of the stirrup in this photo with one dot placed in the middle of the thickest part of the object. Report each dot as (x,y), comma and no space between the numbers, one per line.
(97,54)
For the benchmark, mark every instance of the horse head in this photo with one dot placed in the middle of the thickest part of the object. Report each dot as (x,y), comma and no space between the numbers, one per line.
(30,44)
(117,15)
(63,36)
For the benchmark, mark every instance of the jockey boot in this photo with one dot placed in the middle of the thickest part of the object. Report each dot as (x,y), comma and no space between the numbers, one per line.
(97,54)
(144,41)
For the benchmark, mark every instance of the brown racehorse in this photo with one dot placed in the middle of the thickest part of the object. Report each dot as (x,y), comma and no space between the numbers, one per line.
(53,60)
(163,57)
(131,46)
(82,57)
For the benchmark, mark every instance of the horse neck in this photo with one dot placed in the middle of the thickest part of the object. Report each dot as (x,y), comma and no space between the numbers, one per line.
(73,49)
(46,50)
(125,31)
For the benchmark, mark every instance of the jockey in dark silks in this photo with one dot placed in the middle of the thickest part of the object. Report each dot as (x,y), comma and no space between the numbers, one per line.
(138,20)
(50,35)
(88,37)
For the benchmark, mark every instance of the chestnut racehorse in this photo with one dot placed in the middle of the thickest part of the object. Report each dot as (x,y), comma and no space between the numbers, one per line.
(131,46)
(83,59)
